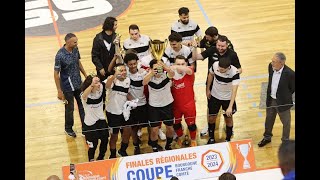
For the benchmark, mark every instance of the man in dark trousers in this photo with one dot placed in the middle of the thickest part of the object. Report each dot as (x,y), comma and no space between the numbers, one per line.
(67,68)
(281,86)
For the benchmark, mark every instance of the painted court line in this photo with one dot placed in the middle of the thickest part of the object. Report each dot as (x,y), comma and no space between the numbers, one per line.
(55,25)
(204,13)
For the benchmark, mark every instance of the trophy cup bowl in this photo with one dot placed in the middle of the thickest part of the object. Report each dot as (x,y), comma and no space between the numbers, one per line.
(157,48)
(244,151)
(198,39)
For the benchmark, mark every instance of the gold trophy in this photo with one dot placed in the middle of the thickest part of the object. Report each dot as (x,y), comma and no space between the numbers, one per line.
(198,39)
(118,49)
(157,48)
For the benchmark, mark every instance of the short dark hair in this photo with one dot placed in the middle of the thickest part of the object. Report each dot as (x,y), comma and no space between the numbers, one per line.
(133,27)
(118,64)
(109,23)
(211,31)
(174,178)
(181,57)
(223,38)
(129,57)
(227,176)
(286,154)
(175,37)
(224,62)
(183,10)
(152,62)
(69,36)
(86,83)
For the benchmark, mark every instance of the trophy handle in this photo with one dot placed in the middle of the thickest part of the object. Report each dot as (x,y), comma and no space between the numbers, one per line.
(238,147)
(165,43)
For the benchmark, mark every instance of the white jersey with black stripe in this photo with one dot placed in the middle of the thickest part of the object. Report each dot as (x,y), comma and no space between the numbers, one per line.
(160,91)
(117,96)
(141,45)
(223,82)
(93,106)
(136,87)
(187,31)
(169,55)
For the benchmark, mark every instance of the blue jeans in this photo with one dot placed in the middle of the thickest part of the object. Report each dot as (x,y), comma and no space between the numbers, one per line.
(69,108)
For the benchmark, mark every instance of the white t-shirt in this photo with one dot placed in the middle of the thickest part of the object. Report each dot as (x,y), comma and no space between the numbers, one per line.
(93,106)
(169,55)
(223,82)
(187,31)
(136,87)
(117,96)
(141,45)
(160,91)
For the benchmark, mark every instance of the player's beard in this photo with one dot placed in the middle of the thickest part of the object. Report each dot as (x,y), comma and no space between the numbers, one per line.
(185,22)
(222,51)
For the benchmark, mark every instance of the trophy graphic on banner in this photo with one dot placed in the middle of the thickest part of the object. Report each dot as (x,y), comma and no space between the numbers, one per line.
(244,151)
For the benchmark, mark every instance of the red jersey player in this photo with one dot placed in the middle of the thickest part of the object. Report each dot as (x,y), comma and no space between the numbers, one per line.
(183,95)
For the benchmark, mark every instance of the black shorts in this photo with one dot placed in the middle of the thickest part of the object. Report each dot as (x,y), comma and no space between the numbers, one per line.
(214,105)
(161,114)
(139,115)
(116,122)
(99,130)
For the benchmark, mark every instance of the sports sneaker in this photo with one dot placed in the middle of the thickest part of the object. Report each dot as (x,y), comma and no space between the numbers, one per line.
(101,157)
(162,135)
(211,141)
(204,131)
(193,143)
(168,147)
(112,156)
(122,153)
(160,148)
(186,141)
(70,133)
(136,151)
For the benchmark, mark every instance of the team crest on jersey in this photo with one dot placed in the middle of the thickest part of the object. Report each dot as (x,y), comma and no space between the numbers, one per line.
(44,19)
(179,86)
